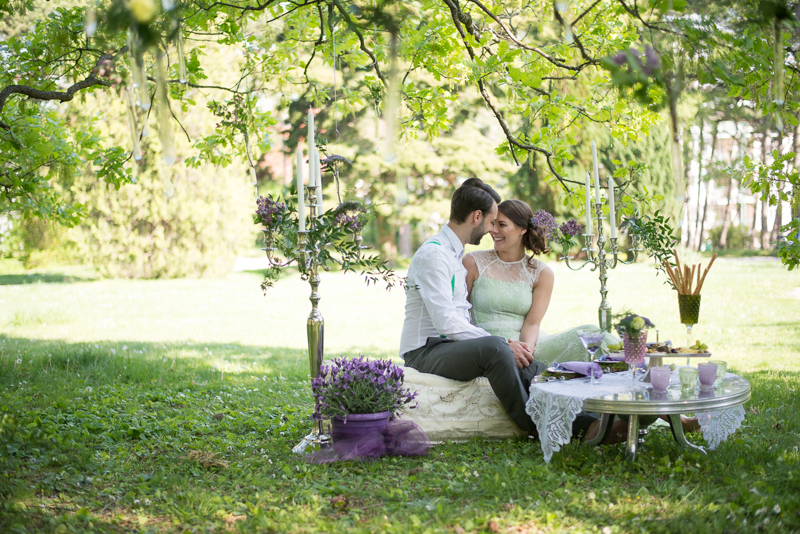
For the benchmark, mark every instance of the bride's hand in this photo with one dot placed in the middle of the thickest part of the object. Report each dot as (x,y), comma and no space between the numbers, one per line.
(522,354)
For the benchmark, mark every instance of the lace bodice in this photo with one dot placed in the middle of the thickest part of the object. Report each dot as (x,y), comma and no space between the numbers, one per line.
(502,295)
(517,272)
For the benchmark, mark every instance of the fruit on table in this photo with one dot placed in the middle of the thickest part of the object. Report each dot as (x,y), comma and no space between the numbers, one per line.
(615,346)
(699,346)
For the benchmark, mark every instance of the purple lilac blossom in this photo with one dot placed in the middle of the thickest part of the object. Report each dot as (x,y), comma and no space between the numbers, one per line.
(268,210)
(571,228)
(544,220)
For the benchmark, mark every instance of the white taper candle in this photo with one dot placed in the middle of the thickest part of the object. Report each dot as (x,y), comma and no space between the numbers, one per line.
(301,192)
(318,174)
(588,204)
(612,211)
(595,174)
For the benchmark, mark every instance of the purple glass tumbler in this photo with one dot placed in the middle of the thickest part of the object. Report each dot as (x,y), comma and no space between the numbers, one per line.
(707,373)
(659,377)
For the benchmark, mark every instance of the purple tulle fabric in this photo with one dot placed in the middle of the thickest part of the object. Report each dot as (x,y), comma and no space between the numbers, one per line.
(582,368)
(399,438)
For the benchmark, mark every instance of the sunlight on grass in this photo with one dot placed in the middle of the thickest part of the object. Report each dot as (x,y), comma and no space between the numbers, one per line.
(172,406)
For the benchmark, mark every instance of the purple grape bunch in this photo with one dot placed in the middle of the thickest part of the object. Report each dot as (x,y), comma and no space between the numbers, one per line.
(357,386)
(269,211)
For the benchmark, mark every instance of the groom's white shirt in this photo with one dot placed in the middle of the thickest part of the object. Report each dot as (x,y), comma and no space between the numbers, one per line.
(436,294)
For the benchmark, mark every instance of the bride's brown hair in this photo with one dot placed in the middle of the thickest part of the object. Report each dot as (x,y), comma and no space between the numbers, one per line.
(521,215)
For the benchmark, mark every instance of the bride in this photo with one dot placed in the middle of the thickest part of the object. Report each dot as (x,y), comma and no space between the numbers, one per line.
(510,290)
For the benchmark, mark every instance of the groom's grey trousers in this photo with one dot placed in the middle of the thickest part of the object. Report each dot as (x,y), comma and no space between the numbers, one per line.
(490,357)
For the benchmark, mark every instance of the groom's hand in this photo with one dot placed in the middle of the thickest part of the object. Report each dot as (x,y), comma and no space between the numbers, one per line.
(522,354)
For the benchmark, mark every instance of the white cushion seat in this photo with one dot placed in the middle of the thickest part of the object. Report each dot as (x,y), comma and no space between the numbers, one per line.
(455,410)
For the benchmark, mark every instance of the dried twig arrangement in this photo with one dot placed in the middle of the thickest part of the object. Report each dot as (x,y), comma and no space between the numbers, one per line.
(683,277)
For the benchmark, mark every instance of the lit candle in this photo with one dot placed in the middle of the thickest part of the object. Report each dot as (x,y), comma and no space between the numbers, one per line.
(596,174)
(588,204)
(318,174)
(612,212)
(301,193)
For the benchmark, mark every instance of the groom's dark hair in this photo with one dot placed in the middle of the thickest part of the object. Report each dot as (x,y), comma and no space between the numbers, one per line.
(472,195)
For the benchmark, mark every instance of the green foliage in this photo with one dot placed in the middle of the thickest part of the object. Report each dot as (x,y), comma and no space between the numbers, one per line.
(788,247)
(738,237)
(335,227)
(172,223)
(655,236)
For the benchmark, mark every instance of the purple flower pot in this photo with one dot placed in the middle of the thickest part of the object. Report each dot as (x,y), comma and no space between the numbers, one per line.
(358,424)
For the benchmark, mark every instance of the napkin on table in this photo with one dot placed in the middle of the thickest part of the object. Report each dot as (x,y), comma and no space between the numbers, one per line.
(582,368)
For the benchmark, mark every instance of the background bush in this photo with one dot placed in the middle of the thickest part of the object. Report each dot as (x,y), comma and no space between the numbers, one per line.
(174,222)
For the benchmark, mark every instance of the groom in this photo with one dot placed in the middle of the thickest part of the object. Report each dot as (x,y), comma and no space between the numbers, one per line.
(438,337)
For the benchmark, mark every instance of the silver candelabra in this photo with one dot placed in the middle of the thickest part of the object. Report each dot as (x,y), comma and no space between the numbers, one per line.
(308,259)
(598,260)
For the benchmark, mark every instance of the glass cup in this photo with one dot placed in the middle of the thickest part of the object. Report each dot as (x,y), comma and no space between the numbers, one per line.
(688,376)
(659,377)
(722,368)
(707,373)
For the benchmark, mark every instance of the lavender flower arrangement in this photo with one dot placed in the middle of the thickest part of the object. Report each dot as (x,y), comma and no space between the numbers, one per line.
(358,386)
(270,212)
(562,234)
(354,222)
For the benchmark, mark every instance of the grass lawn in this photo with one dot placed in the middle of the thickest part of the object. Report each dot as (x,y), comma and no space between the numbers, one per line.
(172,406)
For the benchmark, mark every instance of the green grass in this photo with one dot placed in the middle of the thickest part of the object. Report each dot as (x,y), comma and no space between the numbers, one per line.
(172,406)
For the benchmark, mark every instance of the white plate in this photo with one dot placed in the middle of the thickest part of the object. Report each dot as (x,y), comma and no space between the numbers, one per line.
(556,371)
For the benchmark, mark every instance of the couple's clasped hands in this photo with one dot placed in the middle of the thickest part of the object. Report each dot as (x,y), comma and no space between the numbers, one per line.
(522,353)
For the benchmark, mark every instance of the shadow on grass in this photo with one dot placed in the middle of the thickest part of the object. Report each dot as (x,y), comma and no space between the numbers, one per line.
(41,278)
(176,358)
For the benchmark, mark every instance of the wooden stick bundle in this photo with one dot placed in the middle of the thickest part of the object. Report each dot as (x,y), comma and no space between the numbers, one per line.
(683,277)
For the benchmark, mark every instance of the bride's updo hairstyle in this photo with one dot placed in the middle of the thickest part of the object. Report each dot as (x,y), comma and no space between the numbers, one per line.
(521,215)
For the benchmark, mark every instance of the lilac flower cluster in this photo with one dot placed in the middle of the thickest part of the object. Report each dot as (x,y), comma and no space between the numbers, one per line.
(571,228)
(650,65)
(269,211)
(358,386)
(354,223)
(545,220)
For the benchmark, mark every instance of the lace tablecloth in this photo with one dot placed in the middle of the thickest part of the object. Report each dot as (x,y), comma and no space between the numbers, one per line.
(553,407)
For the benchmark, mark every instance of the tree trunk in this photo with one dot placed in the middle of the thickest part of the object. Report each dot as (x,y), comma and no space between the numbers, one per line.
(796,192)
(686,233)
(764,143)
(708,185)
(726,216)
(693,243)
(762,237)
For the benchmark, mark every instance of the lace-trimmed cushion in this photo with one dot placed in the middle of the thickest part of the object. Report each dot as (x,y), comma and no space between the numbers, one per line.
(455,410)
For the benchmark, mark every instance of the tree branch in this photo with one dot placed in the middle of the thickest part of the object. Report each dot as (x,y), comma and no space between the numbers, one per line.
(513,141)
(62,96)
(513,38)
(363,46)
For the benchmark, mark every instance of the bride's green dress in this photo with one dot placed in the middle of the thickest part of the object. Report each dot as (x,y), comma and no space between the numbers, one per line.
(501,298)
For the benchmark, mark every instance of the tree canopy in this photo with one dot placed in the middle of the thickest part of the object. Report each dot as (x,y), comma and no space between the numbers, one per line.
(545,71)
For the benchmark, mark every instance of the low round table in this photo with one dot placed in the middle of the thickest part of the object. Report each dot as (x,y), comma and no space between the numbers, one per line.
(554,405)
